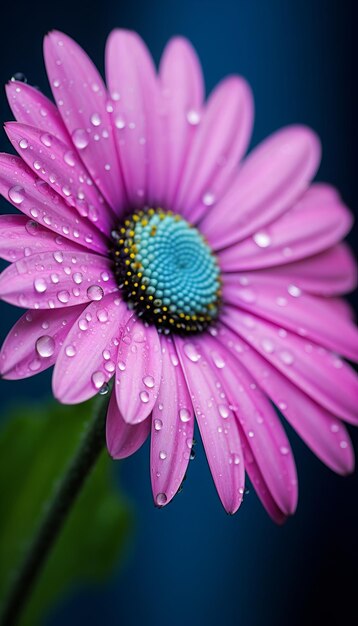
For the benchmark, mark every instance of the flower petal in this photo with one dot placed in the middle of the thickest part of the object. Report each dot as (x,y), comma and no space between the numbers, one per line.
(87,359)
(21,237)
(328,273)
(319,373)
(31,107)
(258,481)
(82,100)
(123,439)
(262,430)
(220,437)
(183,93)
(56,279)
(318,221)
(134,88)
(32,196)
(33,344)
(321,431)
(285,305)
(172,428)
(271,178)
(138,372)
(220,142)
(63,170)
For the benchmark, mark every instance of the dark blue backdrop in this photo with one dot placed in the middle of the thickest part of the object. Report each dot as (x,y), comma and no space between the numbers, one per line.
(191,563)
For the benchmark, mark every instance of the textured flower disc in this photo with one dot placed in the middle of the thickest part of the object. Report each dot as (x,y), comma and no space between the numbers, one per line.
(167,271)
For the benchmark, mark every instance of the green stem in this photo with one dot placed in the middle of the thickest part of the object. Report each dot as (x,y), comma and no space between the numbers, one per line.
(60,504)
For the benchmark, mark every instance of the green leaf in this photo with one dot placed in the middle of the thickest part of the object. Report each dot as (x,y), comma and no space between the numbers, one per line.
(36,444)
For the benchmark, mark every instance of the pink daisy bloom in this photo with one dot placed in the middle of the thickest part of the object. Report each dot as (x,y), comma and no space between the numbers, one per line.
(204,283)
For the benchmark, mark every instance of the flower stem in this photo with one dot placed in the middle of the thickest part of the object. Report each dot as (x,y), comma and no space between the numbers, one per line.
(59,505)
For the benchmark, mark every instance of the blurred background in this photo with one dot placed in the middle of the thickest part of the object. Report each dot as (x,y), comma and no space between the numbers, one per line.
(191,563)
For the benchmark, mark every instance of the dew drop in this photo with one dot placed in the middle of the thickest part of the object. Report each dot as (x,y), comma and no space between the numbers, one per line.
(161,499)
(121,366)
(193,117)
(77,278)
(70,350)
(208,198)
(46,140)
(286,357)
(69,158)
(158,424)
(98,379)
(162,455)
(148,381)
(262,239)
(284,450)
(23,143)
(80,138)
(45,346)
(191,352)
(102,316)
(63,296)
(95,293)
(40,285)
(144,397)
(58,256)
(224,410)
(294,291)
(96,119)
(16,194)
(218,360)
(184,415)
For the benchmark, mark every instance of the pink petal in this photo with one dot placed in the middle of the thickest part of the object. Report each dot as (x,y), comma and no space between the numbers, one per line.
(319,373)
(220,142)
(123,439)
(183,93)
(82,100)
(31,107)
(272,177)
(321,431)
(263,432)
(259,484)
(62,169)
(21,237)
(138,372)
(56,279)
(33,344)
(331,272)
(134,88)
(220,437)
(32,196)
(88,357)
(313,224)
(287,306)
(172,428)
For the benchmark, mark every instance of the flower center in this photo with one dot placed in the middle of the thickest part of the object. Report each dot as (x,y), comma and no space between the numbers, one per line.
(166,271)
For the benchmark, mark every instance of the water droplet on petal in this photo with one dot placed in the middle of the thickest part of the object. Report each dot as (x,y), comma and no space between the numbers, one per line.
(40,285)
(23,143)
(193,117)
(162,455)
(16,194)
(80,138)
(63,296)
(294,291)
(144,396)
(191,352)
(262,239)
(70,350)
(184,415)
(148,381)
(161,499)
(96,119)
(158,424)
(45,346)
(98,379)
(95,293)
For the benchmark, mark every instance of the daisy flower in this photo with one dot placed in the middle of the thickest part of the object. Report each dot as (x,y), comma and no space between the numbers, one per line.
(205,284)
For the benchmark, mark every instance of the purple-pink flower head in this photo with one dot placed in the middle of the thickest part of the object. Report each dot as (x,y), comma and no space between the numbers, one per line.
(206,284)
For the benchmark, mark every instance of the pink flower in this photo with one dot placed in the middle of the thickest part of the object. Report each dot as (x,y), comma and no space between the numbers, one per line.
(149,251)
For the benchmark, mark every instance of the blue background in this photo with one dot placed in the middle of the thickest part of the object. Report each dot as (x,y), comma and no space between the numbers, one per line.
(191,563)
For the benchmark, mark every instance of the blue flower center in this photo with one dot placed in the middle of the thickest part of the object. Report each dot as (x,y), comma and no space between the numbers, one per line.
(166,271)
